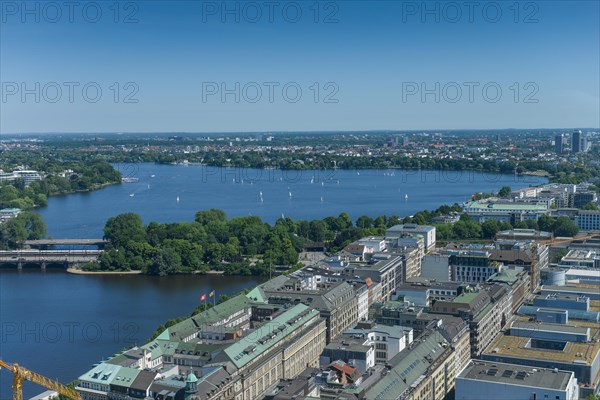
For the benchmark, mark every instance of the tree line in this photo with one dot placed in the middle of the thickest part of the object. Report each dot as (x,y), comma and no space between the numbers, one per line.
(212,242)
(85,176)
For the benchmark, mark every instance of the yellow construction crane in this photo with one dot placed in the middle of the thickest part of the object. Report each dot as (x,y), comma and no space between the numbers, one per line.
(20,374)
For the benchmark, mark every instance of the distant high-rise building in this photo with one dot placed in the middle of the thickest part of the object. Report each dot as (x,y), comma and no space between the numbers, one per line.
(559,143)
(576,142)
(579,142)
(584,143)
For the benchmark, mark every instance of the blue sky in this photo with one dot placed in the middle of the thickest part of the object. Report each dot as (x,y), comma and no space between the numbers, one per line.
(358,65)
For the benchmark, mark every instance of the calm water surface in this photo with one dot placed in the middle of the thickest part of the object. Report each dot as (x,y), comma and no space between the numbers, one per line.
(167,193)
(59,324)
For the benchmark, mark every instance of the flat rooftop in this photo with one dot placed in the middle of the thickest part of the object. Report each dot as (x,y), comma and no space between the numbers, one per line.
(516,375)
(575,323)
(570,289)
(490,205)
(541,326)
(590,273)
(515,346)
(466,298)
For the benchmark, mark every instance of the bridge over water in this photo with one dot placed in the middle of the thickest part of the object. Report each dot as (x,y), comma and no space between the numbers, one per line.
(47,243)
(45,258)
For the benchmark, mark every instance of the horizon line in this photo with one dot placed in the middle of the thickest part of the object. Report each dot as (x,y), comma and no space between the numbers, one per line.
(300,131)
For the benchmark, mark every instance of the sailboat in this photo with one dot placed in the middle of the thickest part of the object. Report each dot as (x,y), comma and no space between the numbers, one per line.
(177,199)
(406,197)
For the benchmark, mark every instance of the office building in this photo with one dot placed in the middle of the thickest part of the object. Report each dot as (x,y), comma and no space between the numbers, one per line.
(499,381)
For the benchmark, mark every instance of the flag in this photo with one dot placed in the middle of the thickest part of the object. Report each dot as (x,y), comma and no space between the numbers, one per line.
(203,297)
(211,294)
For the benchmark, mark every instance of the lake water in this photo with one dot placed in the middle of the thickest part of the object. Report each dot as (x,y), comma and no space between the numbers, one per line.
(167,193)
(60,324)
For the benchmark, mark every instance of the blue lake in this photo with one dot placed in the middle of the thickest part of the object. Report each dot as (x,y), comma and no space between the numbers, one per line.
(167,193)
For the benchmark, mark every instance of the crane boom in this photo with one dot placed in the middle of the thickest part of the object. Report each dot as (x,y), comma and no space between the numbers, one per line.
(20,374)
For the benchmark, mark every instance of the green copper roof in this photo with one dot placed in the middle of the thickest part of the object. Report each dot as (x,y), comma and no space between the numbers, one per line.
(256,295)
(466,298)
(268,335)
(191,378)
(506,206)
(507,276)
(190,325)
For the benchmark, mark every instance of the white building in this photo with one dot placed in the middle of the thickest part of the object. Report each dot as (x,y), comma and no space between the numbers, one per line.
(497,381)
(428,233)
(386,340)
(375,244)
(28,176)
(362,295)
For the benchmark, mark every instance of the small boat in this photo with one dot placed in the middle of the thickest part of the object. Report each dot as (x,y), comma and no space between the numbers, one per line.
(321,199)
(405,197)
(290,194)
(132,195)
(177,199)
(152,176)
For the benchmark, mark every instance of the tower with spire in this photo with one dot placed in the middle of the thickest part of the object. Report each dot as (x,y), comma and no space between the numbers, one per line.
(190,386)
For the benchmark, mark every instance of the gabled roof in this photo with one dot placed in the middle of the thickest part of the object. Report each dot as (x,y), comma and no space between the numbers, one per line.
(408,366)
(267,336)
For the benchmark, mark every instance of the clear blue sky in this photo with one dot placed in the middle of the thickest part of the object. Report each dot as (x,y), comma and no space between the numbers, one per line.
(375,57)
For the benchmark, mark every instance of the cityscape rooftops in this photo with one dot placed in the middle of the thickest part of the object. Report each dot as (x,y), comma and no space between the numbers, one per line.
(530,234)
(466,297)
(493,204)
(517,347)
(249,347)
(516,375)
(102,373)
(408,366)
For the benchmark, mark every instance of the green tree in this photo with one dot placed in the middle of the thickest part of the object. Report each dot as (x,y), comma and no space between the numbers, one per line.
(13,234)
(565,227)
(205,217)
(504,192)
(546,223)
(34,224)
(166,261)
(365,222)
(124,228)
(489,229)
(590,206)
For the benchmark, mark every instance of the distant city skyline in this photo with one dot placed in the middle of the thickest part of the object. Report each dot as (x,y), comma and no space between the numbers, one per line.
(344,66)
